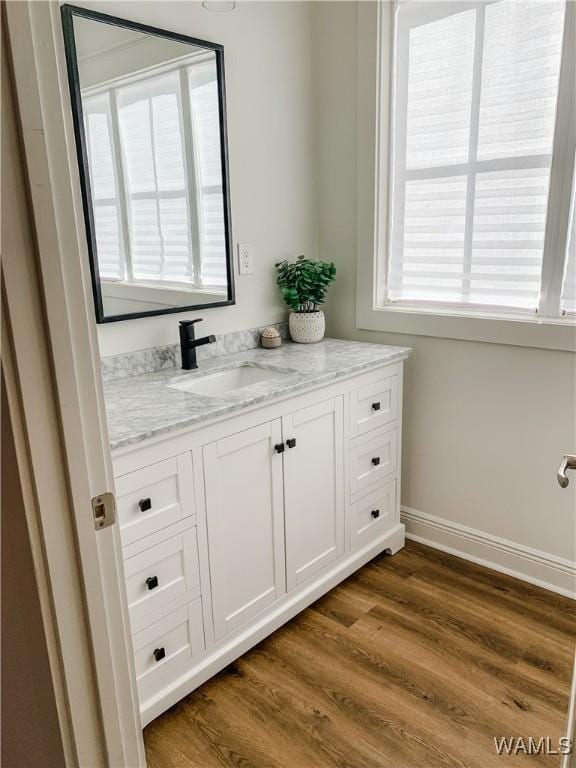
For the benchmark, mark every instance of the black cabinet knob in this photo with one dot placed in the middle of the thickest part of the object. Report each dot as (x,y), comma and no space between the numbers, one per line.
(291,442)
(279,447)
(144,505)
(375,513)
(159,653)
(152,582)
(375,406)
(376,460)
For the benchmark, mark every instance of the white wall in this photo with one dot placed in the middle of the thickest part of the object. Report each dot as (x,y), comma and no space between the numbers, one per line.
(485,424)
(267,50)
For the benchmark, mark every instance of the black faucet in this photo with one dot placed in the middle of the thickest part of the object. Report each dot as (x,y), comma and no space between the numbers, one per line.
(188,343)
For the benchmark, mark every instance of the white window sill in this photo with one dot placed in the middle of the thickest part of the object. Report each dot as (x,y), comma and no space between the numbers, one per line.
(514,330)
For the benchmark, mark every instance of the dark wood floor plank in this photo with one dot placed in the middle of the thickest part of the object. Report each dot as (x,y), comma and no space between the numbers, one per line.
(475,661)
(495,581)
(387,714)
(457,615)
(489,696)
(449,698)
(416,661)
(359,708)
(548,649)
(341,608)
(310,733)
(556,624)
(208,734)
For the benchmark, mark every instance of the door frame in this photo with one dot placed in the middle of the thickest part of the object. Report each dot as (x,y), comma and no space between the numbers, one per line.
(569,760)
(69,356)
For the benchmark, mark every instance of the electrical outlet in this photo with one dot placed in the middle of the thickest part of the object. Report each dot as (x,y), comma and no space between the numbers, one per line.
(245,260)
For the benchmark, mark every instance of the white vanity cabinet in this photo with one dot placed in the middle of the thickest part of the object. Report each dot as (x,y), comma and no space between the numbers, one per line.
(232,527)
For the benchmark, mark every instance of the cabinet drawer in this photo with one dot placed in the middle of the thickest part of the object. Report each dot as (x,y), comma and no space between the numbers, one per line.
(373,515)
(165,650)
(158,576)
(373,405)
(154,497)
(372,458)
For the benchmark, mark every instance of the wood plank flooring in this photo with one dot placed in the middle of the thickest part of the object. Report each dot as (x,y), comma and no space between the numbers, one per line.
(416,661)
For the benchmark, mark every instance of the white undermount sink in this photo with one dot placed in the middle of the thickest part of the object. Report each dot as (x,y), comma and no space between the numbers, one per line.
(214,384)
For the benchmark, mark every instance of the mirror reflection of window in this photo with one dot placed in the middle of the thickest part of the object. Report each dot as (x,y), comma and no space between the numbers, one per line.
(154,158)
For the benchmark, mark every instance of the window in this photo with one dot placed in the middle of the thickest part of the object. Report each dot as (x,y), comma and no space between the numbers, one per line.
(154,158)
(477,98)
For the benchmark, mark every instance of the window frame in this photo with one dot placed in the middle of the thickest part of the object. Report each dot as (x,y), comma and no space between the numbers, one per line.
(68,12)
(374,155)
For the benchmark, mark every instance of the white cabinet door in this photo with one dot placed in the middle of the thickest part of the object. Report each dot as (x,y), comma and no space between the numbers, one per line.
(243,480)
(313,489)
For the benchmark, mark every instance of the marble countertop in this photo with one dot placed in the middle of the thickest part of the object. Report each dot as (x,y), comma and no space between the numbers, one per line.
(145,406)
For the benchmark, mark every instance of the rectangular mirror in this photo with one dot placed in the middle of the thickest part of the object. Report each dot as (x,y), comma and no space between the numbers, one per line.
(150,123)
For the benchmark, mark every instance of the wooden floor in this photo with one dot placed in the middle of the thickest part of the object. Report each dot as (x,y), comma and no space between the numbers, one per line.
(416,661)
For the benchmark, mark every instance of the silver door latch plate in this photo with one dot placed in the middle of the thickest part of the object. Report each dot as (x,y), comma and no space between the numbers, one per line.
(104,510)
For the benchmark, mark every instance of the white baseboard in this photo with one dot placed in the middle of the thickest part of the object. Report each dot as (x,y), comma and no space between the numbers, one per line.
(531,565)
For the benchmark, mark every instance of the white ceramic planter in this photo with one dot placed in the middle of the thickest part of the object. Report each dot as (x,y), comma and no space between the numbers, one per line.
(307,327)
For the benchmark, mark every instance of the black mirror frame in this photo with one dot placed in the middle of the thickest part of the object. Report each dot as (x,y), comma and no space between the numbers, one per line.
(68,12)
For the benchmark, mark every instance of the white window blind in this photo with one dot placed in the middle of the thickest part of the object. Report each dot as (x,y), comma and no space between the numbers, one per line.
(476,88)
(206,130)
(105,198)
(156,178)
(149,117)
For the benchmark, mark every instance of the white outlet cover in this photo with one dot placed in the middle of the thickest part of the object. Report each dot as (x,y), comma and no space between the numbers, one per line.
(245,259)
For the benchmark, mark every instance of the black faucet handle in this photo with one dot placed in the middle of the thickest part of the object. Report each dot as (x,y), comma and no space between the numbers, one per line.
(187,328)
(186,323)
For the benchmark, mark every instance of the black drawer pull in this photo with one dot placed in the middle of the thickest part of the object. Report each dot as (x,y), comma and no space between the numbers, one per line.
(375,513)
(152,582)
(159,653)
(144,505)
(279,447)
(291,442)
(376,460)
(376,406)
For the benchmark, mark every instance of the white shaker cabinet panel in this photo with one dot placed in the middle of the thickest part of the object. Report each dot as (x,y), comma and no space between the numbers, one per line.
(243,481)
(313,489)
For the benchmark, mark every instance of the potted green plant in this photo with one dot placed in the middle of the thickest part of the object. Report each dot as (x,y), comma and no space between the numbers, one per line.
(304,284)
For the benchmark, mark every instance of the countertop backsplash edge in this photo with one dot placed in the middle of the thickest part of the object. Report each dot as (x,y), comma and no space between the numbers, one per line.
(142,361)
